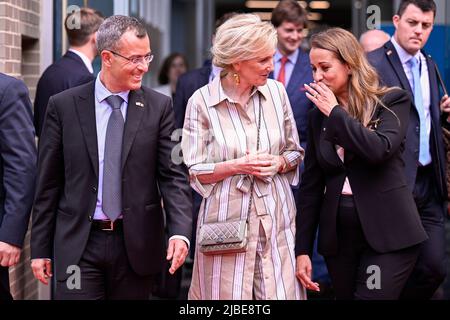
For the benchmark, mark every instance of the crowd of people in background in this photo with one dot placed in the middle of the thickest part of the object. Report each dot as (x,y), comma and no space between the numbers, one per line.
(335,157)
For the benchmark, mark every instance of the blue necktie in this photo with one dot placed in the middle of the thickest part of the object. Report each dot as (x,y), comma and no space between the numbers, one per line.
(424,148)
(112,173)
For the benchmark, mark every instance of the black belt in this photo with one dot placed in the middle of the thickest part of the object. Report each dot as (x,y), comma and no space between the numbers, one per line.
(107,225)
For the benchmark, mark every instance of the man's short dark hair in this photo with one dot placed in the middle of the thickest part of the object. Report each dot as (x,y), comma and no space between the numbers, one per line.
(424,5)
(114,27)
(89,22)
(289,11)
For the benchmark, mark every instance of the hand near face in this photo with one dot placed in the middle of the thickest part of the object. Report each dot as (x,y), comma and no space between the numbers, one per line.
(322,97)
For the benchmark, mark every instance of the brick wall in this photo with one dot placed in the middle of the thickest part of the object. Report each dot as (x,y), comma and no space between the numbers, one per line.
(19,57)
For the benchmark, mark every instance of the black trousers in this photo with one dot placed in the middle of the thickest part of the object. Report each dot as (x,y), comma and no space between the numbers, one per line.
(106,273)
(5,294)
(359,272)
(430,269)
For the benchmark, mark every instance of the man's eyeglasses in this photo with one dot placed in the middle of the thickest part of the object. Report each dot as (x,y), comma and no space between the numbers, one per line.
(136,59)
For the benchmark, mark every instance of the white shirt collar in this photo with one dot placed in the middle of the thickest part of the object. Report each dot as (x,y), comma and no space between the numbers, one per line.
(292,57)
(84,58)
(403,54)
(101,92)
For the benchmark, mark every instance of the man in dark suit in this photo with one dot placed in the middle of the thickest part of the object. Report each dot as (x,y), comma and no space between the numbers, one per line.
(401,62)
(291,63)
(17,172)
(72,69)
(187,84)
(104,163)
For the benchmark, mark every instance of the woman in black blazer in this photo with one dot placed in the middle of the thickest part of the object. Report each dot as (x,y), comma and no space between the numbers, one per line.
(353,186)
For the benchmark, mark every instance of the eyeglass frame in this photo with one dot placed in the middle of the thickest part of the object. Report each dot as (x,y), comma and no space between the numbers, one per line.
(149,55)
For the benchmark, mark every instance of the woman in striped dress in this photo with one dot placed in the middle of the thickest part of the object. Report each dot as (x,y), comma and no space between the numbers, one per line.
(220,149)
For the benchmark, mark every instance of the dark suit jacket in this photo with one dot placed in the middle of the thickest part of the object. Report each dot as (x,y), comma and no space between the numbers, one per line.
(67,72)
(300,104)
(388,64)
(187,84)
(17,160)
(67,181)
(374,167)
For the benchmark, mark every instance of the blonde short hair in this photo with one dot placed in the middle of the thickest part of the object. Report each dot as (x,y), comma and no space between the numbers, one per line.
(243,37)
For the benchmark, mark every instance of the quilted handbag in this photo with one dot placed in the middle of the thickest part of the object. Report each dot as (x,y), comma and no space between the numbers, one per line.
(223,237)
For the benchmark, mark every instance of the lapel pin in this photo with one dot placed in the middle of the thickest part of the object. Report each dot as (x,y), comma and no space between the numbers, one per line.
(140,104)
(389,52)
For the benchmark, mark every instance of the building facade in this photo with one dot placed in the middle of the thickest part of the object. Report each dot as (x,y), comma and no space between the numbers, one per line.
(20,57)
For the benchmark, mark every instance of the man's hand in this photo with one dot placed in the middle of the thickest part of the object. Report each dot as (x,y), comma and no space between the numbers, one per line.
(42,269)
(445,104)
(177,252)
(9,254)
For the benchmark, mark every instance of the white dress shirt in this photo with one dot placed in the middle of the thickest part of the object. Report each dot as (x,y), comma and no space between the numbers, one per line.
(102,113)
(289,67)
(424,79)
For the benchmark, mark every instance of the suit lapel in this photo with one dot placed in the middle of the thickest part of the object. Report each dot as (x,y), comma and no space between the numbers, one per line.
(396,64)
(73,56)
(135,112)
(434,94)
(205,72)
(298,73)
(327,148)
(85,106)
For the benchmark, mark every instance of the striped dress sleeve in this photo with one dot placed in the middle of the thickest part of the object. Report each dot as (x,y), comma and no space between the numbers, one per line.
(292,151)
(195,143)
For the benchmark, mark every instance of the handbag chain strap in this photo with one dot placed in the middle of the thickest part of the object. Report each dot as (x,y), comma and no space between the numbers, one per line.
(252,185)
